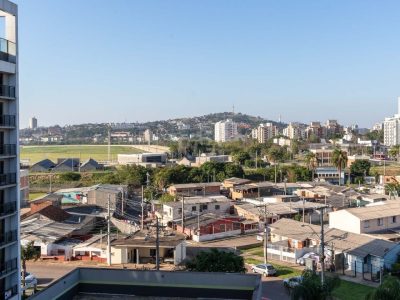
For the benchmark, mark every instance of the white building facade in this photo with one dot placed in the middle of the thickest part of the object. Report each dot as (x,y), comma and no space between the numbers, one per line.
(225,130)
(391,129)
(33,123)
(266,132)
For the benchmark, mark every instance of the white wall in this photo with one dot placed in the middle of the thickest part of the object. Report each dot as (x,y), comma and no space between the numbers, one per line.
(344,220)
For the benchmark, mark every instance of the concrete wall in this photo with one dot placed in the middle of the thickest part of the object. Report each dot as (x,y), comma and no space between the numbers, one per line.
(176,284)
(215,236)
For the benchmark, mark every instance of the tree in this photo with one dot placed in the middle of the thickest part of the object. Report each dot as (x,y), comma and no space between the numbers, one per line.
(312,163)
(28,252)
(395,152)
(275,154)
(339,159)
(241,156)
(360,168)
(389,290)
(70,176)
(311,288)
(217,261)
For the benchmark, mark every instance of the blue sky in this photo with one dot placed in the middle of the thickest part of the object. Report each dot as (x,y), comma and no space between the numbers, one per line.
(126,60)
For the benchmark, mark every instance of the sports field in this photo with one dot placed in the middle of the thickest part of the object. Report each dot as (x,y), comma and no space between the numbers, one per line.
(97,152)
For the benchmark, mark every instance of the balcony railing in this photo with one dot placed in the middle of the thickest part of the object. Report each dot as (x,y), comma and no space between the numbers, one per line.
(8,266)
(8,237)
(7,120)
(8,208)
(8,150)
(7,179)
(8,293)
(8,51)
(7,90)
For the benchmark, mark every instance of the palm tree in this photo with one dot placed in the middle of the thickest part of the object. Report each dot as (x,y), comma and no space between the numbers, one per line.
(275,154)
(388,290)
(28,252)
(312,162)
(311,287)
(339,159)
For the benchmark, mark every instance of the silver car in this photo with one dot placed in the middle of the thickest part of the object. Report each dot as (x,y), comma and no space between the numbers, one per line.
(264,269)
(292,282)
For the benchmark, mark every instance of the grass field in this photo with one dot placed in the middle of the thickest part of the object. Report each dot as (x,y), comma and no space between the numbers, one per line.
(33,196)
(97,152)
(351,291)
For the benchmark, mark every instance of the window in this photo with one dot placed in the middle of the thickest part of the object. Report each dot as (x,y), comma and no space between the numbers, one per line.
(217,207)
(180,211)
(194,208)
(394,219)
(204,207)
(366,224)
(222,227)
(380,221)
(153,252)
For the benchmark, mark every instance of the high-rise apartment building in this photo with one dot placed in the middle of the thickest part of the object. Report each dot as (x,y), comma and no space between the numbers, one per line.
(148,136)
(9,161)
(391,129)
(225,131)
(266,132)
(295,131)
(32,123)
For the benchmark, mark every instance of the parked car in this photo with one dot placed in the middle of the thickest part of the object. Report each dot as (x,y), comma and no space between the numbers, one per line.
(30,280)
(292,282)
(264,269)
(302,260)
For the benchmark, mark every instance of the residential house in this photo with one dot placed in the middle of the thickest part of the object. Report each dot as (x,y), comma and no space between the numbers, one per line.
(195,189)
(93,249)
(101,194)
(140,248)
(44,165)
(54,231)
(211,226)
(229,184)
(203,158)
(350,252)
(381,218)
(172,211)
(255,190)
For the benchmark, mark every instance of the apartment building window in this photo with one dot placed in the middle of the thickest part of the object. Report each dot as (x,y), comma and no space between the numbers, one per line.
(394,219)
(380,221)
(366,224)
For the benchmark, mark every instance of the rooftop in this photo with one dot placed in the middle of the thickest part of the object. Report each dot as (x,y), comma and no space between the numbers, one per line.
(379,210)
(195,185)
(357,244)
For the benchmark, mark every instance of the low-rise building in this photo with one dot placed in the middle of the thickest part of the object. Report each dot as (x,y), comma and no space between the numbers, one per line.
(347,251)
(379,218)
(140,248)
(203,158)
(209,226)
(143,159)
(195,189)
(192,206)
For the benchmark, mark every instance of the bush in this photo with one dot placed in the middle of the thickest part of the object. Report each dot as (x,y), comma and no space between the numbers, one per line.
(70,176)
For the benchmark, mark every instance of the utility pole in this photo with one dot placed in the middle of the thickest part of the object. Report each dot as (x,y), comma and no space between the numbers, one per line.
(108,232)
(142,222)
(265,235)
(322,248)
(303,210)
(122,200)
(157,246)
(183,214)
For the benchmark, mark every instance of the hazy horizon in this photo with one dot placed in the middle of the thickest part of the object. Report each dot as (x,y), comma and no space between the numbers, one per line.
(95,62)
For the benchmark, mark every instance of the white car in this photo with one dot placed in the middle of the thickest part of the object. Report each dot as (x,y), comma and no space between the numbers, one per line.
(30,280)
(302,260)
(292,282)
(264,269)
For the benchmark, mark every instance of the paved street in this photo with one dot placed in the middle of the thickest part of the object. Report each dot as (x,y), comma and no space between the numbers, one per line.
(273,289)
(48,272)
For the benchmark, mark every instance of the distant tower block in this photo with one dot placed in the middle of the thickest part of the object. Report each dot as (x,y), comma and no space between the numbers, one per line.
(233,109)
(33,123)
